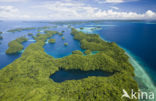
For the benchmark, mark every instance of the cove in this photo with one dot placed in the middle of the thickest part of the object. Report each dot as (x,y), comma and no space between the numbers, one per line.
(72,74)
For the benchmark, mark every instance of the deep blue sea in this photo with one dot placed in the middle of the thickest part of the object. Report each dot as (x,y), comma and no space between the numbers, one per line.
(138,37)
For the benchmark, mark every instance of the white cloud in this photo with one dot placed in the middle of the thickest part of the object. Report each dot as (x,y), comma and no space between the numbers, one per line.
(10,12)
(110,14)
(70,11)
(113,7)
(114,1)
(13,0)
(149,13)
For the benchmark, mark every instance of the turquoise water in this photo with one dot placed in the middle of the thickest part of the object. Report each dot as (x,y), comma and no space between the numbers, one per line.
(58,49)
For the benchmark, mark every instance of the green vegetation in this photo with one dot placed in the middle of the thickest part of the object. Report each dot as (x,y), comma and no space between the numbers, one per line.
(66,44)
(87,52)
(96,28)
(44,27)
(62,31)
(33,37)
(30,34)
(52,41)
(81,28)
(60,34)
(1,37)
(15,46)
(38,34)
(27,78)
(77,52)
(63,38)
(21,29)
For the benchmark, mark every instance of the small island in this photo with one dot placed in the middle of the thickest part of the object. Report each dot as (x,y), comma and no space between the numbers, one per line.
(51,41)
(1,37)
(77,52)
(16,46)
(44,27)
(38,34)
(20,29)
(81,28)
(63,38)
(30,34)
(1,32)
(66,44)
(60,34)
(63,31)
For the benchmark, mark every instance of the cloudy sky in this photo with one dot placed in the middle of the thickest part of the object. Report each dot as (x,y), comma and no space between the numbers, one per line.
(77,9)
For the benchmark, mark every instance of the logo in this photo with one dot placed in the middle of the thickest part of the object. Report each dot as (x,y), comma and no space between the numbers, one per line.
(138,95)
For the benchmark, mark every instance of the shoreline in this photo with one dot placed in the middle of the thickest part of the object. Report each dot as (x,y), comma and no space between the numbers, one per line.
(142,78)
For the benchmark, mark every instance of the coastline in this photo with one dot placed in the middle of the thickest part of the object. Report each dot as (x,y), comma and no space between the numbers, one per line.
(142,78)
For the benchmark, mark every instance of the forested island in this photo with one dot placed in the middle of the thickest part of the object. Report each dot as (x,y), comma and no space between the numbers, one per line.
(20,29)
(16,46)
(28,77)
(1,37)
(63,38)
(60,34)
(52,41)
(66,44)
(30,34)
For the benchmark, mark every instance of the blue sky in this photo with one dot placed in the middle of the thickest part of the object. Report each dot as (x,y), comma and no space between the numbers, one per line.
(77,9)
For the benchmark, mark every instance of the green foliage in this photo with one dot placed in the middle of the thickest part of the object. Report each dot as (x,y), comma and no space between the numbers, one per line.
(60,34)
(52,41)
(21,29)
(77,52)
(27,78)
(30,34)
(38,34)
(38,30)
(16,46)
(50,32)
(66,44)
(87,52)
(62,31)
(81,28)
(44,27)
(1,37)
